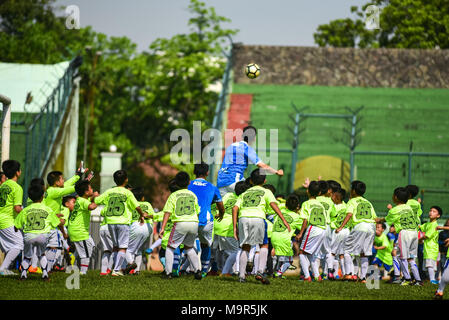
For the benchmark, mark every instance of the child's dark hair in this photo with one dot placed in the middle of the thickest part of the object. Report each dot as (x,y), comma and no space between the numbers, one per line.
(241,187)
(249,134)
(384,226)
(36,192)
(172,186)
(270,187)
(82,186)
(138,193)
(120,177)
(37,181)
(314,188)
(201,169)
(334,185)
(341,192)
(324,187)
(10,168)
(280,195)
(412,190)
(401,194)
(358,187)
(257,178)
(437,208)
(53,176)
(67,199)
(182,179)
(292,202)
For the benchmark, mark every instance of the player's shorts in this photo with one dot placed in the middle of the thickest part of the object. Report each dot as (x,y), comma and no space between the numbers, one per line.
(327,242)
(313,240)
(54,239)
(183,232)
(361,239)
(105,238)
(10,239)
(64,242)
(380,263)
(138,235)
(408,244)
(338,241)
(119,235)
(32,242)
(430,263)
(227,189)
(85,248)
(227,243)
(252,231)
(205,233)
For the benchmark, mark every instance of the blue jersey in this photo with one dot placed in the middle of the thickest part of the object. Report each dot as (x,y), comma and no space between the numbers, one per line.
(235,162)
(392,236)
(206,193)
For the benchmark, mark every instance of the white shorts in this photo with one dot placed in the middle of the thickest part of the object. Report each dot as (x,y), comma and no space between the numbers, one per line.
(408,244)
(10,239)
(361,239)
(227,243)
(138,235)
(205,233)
(227,189)
(312,240)
(430,263)
(251,231)
(54,239)
(327,242)
(65,243)
(32,241)
(183,232)
(85,248)
(338,241)
(119,235)
(105,238)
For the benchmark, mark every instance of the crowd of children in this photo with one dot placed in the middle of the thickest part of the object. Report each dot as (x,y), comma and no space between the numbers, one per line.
(246,230)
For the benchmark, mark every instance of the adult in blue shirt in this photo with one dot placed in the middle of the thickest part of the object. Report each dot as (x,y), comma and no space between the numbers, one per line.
(236,159)
(207,194)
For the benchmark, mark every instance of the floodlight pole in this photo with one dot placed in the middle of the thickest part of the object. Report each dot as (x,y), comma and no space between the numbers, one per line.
(6,126)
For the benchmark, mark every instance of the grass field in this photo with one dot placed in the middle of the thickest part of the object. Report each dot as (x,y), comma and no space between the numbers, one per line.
(151,286)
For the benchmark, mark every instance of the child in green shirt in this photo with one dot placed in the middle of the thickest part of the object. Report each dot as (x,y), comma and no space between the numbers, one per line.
(431,242)
(384,247)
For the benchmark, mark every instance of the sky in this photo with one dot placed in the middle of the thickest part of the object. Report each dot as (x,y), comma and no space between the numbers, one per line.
(261,22)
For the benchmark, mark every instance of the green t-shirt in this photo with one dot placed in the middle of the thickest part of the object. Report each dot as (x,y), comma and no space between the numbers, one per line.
(313,211)
(255,202)
(36,218)
(385,254)
(416,207)
(65,215)
(79,220)
(362,211)
(403,218)
(120,203)
(146,207)
(11,194)
(53,196)
(281,238)
(340,215)
(431,247)
(329,206)
(225,227)
(183,206)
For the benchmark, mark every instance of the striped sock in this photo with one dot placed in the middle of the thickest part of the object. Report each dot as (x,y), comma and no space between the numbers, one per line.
(205,259)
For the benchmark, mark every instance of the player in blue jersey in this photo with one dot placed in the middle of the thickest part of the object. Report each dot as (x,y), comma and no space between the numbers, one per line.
(207,194)
(236,159)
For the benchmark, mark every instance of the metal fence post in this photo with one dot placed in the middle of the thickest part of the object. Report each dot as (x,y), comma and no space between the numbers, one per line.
(6,126)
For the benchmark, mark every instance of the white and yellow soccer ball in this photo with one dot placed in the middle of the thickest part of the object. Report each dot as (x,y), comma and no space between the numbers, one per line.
(252,70)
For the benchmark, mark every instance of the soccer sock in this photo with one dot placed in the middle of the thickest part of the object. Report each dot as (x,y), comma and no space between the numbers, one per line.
(444,280)
(169,258)
(396,266)
(356,265)
(342,266)
(256,262)
(242,263)
(129,257)
(112,257)
(44,265)
(193,258)
(237,260)
(404,269)
(335,266)
(57,256)
(205,259)
(284,267)
(263,257)
(330,262)
(34,260)
(119,260)
(156,244)
(275,261)
(138,260)
(176,258)
(305,264)
(50,254)
(25,265)
(315,266)
(252,252)
(105,261)
(230,260)
(349,265)
(363,267)
(9,258)
(415,270)
(84,264)
(431,272)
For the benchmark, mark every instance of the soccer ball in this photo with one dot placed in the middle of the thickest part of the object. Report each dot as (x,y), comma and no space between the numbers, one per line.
(252,70)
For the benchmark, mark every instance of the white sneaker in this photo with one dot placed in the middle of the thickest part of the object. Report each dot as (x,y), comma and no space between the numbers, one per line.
(117,274)
(7,272)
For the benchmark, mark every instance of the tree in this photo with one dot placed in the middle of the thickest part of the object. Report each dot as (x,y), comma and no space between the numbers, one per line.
(420,24)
